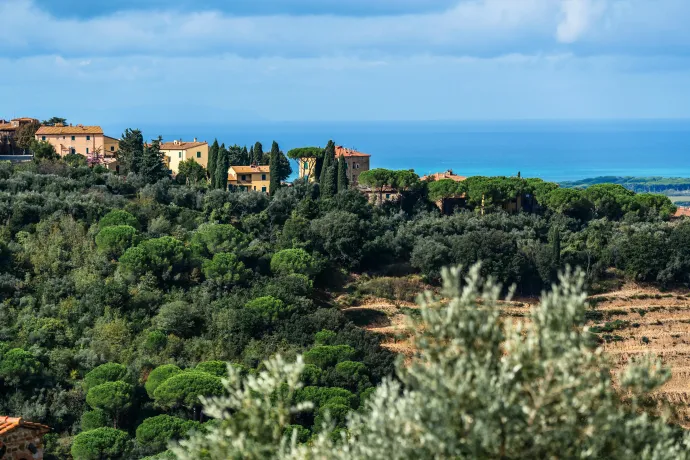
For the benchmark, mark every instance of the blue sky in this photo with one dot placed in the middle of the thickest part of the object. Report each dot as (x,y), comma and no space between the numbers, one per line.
(186,61)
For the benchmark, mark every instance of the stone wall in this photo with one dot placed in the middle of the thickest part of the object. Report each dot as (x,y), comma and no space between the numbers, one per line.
(20,443)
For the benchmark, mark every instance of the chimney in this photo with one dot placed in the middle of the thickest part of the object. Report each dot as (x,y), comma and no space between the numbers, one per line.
(195,139)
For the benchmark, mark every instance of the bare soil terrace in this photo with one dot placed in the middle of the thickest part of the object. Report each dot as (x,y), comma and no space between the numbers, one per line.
(631,321)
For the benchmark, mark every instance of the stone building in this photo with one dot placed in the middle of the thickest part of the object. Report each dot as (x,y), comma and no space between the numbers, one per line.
(21,440)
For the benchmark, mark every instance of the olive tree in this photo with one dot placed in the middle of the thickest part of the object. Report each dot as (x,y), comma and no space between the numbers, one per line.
(481,386)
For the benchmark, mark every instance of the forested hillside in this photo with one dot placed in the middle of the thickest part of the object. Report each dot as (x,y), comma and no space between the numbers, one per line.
(124,296)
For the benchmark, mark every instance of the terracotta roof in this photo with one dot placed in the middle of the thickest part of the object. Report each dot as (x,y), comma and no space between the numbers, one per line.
(112,138)
(8,127)
(444,175)
(251,169)
(180,145)
(25,119)
(78,129)
(8,424)
(342,151)
(682,211)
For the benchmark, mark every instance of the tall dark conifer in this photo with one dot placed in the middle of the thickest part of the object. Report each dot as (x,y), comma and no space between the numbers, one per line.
(152,167)
(328,178)
(274,169)
(258,153)
(212,161)
(246,158)
(222,166)
(131,151)
(342,174)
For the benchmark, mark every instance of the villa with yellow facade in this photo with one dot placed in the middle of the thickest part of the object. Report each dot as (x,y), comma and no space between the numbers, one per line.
(250,178)
(357,163)
(80,140)
(176,152)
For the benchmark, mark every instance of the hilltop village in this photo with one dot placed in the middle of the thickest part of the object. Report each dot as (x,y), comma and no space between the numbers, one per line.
(250,170)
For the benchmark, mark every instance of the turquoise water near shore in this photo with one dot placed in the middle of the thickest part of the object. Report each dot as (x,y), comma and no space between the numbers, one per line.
(552,150)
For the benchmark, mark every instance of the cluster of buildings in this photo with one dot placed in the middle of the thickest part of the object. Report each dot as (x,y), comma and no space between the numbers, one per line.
(98,148)
(8,134)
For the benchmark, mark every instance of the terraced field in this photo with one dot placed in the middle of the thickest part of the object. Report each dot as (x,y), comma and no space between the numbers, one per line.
(632,321)
(637,321)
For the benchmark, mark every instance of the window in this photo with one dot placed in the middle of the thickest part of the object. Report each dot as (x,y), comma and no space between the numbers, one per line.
(356,165)
(255,188)
(112,148)
(388,195)
(74,151)
(179,154)
(73,138)
(244,177)
(43,138)
(88,138)
(87,150)
(306,166)
(263,177)
(198,154)
(263,189)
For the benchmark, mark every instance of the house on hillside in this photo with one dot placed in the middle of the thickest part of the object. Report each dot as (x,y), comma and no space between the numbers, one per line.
(8,135)
(21,440)
(88,141)
(448,203)
(357,163)
(449,174)
(250,178)
(177,151)
(380,196)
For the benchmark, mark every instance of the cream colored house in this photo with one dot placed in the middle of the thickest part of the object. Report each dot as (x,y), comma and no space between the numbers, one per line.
(81,140)
(250,178)
(178,151)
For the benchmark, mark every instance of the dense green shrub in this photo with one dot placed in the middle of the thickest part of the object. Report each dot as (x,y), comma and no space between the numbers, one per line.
(293,261)
(118,217)
(184,389)
(97,418)
(217,368)
(101,443)
(115,240)
(155,433)
(160,375)
(325,356)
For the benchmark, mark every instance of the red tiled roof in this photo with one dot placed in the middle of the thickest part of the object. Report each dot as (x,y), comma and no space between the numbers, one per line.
(251,169)
(444,175)
(682,211)
(8,127)
(342,151)
(8,424)
(180,145)
(78,129)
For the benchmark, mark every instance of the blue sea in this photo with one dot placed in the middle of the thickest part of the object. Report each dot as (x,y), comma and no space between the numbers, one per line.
(551,150)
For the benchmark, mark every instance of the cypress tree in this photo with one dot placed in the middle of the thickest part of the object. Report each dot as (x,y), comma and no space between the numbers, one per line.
(212,161)
(557,247)
(328,160)
(251,155)
(222,167)
(274,168)
(246,159)
(258,153)
(342,174)
(330,185)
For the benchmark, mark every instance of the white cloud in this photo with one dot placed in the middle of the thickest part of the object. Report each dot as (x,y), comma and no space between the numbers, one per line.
(575,20)
(472,27)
